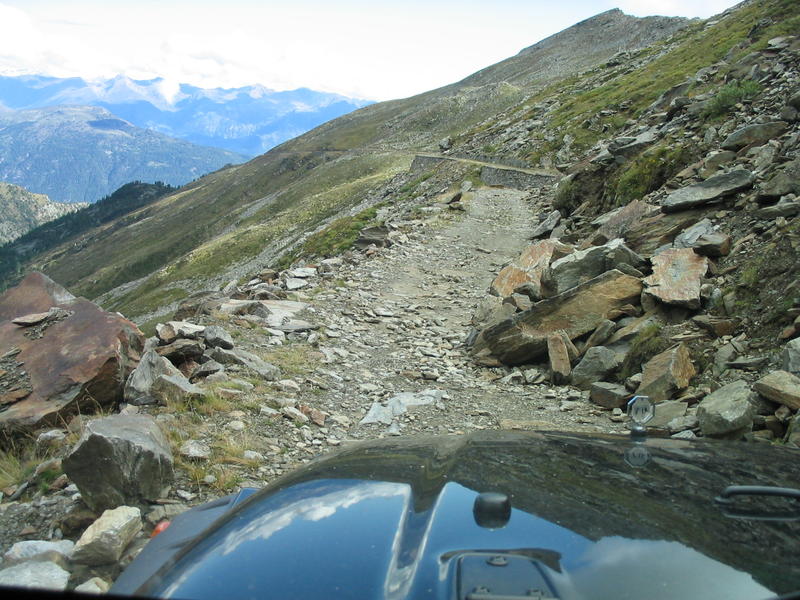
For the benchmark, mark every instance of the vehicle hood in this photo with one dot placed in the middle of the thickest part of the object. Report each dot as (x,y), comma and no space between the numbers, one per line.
(592,517)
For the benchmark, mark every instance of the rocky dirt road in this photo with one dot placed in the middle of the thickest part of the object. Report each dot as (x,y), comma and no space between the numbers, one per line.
(398,323)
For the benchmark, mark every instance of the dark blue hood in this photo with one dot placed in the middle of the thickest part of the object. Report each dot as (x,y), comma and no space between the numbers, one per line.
(394,519)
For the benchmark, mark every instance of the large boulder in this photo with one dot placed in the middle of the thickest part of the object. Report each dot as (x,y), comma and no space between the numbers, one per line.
(523,337)
(121,459)
(713,189)
(729,409)
(72,357)
(667,373)
(677,276)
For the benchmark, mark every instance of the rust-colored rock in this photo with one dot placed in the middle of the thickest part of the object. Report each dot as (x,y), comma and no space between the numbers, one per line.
(76,361)
(523,337)
(528,268)
(560,367)
(677,276)
(667,373)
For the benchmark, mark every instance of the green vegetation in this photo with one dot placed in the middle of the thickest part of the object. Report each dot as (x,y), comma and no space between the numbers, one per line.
(300,205)
(647,343)
(729,96)
(567,195)
(649,171)
(335,238)
(292,359)
(18,461)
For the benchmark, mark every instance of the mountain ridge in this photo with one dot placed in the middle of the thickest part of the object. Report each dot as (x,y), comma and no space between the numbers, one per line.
(81,153)
(247,120)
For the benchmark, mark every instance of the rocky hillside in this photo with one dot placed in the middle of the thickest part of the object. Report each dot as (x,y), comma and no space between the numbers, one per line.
(23,211)
(81,154)
(611,235)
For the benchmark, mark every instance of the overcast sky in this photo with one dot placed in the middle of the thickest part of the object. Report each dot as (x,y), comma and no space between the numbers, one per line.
(365,48)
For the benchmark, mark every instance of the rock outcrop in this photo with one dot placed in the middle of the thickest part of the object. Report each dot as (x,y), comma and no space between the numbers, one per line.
(523,337)
(60,355)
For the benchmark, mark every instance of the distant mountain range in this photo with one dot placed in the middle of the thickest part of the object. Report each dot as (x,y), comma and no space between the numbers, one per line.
(248,120)
(82,153)
(22,211)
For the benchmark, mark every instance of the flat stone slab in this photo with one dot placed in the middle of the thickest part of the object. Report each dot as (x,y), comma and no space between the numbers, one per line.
(781,387)
(247,359)
(32,319)
(712,189)
(35,574)
(37,550)
(677,276)
(523,337)
(754,135)
(399,404)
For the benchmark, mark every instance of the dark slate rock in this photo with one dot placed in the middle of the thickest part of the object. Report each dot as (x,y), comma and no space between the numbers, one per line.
(595,365)
(609,395)
(217,337)
(757,134)
(711,190)
(119,460)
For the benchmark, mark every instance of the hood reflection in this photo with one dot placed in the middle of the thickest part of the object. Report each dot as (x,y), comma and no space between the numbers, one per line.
(617,568)
(310,509)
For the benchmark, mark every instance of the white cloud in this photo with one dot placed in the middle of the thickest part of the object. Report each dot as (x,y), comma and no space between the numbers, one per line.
(376,50)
